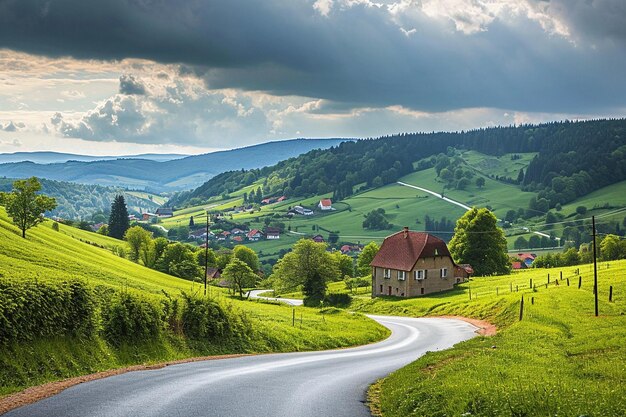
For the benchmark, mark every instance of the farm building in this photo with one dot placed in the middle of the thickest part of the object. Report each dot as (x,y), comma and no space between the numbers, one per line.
(410,264)
(164,212)
(254,235)
(318,239)
(325,204)
(272,233)
(527,258)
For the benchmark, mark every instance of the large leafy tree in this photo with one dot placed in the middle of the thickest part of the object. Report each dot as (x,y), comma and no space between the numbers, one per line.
(25,206)
(308,265)
(179,260)
(139,240)
(239,275)
(365,258)
(478,241)
(118,220)
(247,256)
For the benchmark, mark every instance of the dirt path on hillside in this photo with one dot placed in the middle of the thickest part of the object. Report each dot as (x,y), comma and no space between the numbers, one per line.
(484,327)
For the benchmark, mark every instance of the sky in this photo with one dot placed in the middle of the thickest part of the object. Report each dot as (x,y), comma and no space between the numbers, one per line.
(132,76)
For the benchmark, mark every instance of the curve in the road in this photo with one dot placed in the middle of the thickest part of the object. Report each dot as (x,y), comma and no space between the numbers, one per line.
(290,301)
(327,383)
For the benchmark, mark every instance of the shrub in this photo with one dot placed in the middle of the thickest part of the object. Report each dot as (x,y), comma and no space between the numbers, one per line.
(34,310)
(55,226)
(204,318)
(338,300)
(131,318)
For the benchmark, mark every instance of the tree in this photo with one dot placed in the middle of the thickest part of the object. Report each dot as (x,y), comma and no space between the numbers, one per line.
(25,206)
(520,176)
(247,256)
(446,175)
(212,259)
(307,265)
(480,182)
(375,220)
(137,239)
(239,276)
(103,230)
(118,220)
(610,248)
(344,263)
(178,260)
(520,243)
(191,222)
(534,241)
(365,258)
(478,241)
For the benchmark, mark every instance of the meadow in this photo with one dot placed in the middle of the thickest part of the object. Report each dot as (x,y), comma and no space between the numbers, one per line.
(49,256)
(559,360)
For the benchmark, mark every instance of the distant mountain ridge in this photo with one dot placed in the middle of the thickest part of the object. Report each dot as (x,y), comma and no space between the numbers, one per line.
(172,175)
(45,157)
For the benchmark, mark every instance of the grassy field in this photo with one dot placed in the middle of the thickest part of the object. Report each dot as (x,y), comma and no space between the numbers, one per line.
(559,360)
(502,166)
(50,255)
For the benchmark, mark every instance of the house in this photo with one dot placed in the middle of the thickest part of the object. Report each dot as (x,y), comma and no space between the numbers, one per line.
(516,266)
(164,212)
(237,231)
(527,258)
(147,216)
(463,271)
(346,249)
(132,218)
(238,239)
(318,239)
(281,199)
(213,273)
(254,235)
(325,204)
(97,226)
(303,211)
(266,201)
(410,264)
(200,234)
(272,233)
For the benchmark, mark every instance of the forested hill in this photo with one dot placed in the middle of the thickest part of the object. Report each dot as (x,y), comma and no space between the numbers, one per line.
(565,149)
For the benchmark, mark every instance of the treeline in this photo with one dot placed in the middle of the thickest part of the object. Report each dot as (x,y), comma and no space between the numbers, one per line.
(579,158)
(81,201)
(565,148)
(610,248)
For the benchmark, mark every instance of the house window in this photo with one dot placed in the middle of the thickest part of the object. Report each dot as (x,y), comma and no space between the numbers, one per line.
(419,274)
(444,272)
(387,273)
(401,275)
(436,252)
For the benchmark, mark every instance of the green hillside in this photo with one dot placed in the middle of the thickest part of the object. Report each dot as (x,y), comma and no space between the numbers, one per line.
(50,257)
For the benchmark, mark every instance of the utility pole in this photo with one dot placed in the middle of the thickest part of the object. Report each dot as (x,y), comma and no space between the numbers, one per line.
(595,264)
(206,252)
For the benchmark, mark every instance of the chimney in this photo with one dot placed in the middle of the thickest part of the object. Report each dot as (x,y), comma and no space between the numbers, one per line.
(406,232)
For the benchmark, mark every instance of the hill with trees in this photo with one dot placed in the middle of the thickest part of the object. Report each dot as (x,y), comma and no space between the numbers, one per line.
(571,158)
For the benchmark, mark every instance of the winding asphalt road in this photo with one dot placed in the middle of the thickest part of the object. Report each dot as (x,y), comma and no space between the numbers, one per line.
(327,383)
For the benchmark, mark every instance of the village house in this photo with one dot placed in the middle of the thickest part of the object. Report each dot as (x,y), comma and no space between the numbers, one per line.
(147,216)
(237,231)
(527,258)
(254,235)
(272,233)
(346,249)
(325,204)
(164,212)
(410,264)
(302,211)
(318,239)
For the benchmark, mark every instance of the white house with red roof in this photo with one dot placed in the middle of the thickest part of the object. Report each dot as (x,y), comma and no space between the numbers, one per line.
(254,235)
(325,204)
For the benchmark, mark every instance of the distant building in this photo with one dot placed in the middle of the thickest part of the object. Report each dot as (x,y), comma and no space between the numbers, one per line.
(147,216)
(516,266)
(325,204)
(281,199)
(410,264)
(302,211)
(527,258)
(318,239)
(254,235)
(164,212)
(272,233)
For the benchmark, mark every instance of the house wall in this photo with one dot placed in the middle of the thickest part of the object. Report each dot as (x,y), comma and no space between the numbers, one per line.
(411,287)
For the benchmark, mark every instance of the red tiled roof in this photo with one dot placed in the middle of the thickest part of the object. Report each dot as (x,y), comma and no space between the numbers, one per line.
(253,233)
(526,255)
(326,202)
(401,253)
(518,265)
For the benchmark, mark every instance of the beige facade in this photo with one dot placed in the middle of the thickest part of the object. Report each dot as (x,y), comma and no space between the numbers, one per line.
(429,275)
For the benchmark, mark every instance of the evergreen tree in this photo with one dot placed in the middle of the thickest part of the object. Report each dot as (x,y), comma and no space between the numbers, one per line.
(118,220)
(520,176)
(478,241)
(191,222)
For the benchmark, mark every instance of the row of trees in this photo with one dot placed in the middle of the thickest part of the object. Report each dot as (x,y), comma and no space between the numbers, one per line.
(610,248)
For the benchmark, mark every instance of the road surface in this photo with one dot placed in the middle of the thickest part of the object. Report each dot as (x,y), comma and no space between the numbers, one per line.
(290,301)
(328,383)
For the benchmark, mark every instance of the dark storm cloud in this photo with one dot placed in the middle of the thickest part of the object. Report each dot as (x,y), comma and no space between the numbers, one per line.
(355,55)
(129,85)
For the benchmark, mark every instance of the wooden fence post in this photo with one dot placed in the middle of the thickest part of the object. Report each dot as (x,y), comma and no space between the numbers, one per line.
(580,281)
(548,278)
(561,275)
(293,317)
(532,300)
(511,286)
(610,294)
(568,282)
(521,309)
(531,283)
